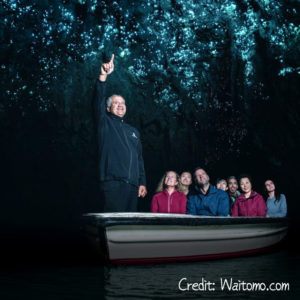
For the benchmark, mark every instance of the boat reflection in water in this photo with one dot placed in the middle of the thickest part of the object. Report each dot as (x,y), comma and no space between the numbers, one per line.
(148,238)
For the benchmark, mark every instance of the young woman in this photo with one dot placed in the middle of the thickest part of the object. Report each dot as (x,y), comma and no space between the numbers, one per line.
(276,202)
(185,180)
(249,203)
(168,199)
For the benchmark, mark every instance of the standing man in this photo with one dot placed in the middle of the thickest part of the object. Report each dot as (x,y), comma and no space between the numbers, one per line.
(121,165)
(208,200)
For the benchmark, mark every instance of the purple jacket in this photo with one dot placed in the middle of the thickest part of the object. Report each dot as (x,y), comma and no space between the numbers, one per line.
(254,206)
(175,203)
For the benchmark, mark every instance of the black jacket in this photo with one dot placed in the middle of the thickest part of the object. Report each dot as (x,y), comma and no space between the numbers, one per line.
(119,146)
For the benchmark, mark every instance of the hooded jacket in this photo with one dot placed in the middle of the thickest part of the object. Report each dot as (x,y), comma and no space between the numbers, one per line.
(254,206)
(119,147)
(163,202)
(214,203)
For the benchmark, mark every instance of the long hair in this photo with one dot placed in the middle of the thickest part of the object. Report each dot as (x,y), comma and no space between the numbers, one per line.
(161,185)
(276,192)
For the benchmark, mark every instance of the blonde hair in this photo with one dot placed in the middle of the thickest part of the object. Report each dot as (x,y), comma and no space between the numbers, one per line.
(161,185)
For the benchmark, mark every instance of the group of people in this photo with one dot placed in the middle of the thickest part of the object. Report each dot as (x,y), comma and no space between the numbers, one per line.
(122,175)
(178,194)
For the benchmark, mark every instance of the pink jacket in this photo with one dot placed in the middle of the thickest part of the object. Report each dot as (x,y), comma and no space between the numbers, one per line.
(254,206)
(175,203)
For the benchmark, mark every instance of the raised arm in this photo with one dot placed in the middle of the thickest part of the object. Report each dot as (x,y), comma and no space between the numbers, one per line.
(106,69)
(99,106)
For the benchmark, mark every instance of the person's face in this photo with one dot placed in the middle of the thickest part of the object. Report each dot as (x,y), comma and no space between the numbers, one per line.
(186,178)
(201,177)
(245,185)
(270,186)
(222,185)
(232,185)
(171,179)
(118,106)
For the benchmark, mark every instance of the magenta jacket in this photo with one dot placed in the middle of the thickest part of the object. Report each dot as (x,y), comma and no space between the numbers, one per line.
(254,206)
(175,203)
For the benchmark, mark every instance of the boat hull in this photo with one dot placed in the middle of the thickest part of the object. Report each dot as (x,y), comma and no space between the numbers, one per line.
(140,238)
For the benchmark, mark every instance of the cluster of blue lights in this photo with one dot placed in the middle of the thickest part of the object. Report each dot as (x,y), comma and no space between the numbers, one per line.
(182,40)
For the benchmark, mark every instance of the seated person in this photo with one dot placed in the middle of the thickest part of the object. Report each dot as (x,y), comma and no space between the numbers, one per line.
(185,181)
(249,203)
(222,185)
(276,202)
(168,199)
(207,200)
(232,190)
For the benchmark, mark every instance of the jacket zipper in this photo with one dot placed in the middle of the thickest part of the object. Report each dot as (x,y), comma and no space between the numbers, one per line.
(130,161)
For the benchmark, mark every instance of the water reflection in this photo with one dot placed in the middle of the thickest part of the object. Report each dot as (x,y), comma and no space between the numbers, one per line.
(155,281)
(161,280)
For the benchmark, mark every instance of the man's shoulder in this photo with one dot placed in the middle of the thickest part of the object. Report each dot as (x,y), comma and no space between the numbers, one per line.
(193,194)
(282,197)
(218,192)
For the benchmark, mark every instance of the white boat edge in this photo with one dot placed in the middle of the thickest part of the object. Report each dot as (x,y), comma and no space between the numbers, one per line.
(128,240)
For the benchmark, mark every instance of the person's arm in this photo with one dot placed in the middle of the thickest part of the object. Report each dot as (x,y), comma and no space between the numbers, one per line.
(223,207)
(282,208)
(235,209)
(261,206)
(142,176)
(106,69)
(190,206)
(99,106)
(183,203)
(154,204)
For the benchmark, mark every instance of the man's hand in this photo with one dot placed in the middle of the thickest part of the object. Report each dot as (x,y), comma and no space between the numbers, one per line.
(142,191)
(106,69)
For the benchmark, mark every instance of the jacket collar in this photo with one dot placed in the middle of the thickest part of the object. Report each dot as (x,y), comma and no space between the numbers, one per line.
(115,117)
(211,190)
(252,195)
(167,193)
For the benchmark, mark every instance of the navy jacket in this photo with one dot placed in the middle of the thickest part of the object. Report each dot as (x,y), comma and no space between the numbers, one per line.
(214,203)
(119,146)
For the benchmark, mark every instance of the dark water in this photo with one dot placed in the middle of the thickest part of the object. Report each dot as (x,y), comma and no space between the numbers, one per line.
(80,279)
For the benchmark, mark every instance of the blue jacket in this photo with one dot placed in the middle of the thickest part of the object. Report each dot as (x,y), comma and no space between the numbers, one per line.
(214,203)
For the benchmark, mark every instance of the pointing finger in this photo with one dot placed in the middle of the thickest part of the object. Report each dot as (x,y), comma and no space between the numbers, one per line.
(112,58)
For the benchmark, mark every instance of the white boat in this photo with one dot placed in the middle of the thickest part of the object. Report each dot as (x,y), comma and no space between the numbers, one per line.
(148,237)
